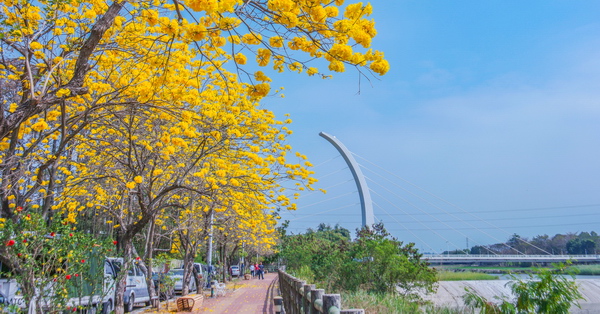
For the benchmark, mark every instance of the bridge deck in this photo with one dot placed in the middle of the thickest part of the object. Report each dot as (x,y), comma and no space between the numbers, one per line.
(512,258)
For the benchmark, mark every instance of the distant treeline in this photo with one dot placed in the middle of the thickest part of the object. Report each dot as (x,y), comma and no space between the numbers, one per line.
(570,243)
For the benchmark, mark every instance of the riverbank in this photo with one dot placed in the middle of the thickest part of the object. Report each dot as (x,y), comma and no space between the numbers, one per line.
(449,293)
(489,270)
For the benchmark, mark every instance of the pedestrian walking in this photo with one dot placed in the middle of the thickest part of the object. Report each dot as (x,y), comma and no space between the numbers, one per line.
(261,271)
(252,270)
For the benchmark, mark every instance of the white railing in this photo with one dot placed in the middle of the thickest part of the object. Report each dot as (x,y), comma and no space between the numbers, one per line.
(439,256)
(510,258)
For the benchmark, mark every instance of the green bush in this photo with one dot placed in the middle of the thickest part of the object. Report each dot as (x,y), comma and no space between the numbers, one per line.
(51,261)
(305,273)
(386,303)
(379,263)
(467,275)
(545,292)
(592,270)
(375,261)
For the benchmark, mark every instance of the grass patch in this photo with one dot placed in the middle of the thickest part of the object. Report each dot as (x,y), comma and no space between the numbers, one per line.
(503,268)
(304,273)
(388,303)
(590,270)
(467,275)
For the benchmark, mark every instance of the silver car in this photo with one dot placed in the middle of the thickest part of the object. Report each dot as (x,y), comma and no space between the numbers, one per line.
(136,290)
(234,271)
(177,275)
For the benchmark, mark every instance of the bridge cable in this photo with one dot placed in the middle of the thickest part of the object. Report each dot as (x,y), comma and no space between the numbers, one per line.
(326,211)
(455,206)
(329,199)
(317,191)
(329,160)
(407,229)
(448,213)
(418,221)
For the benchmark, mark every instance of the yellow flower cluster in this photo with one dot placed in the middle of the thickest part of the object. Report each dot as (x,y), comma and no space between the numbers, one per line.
(163,111)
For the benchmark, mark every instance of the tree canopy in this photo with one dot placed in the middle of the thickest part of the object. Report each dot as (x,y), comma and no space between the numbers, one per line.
(127,120)
(569,243)
(374,261)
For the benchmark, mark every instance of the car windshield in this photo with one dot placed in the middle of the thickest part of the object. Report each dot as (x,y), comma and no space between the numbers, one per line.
(234,267)
(176,272)
(117,265)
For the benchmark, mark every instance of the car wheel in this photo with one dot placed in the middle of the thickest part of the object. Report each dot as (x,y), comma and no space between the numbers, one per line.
(107,307)
(92,310)
(129,305)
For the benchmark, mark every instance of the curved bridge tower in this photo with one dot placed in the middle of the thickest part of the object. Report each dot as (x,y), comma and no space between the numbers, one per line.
(363,190)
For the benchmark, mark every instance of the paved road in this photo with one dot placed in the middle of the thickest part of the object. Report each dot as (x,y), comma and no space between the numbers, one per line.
(244,296)
(253,297)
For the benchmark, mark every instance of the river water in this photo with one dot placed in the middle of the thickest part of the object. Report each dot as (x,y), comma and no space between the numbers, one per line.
(449,293)
(525,276)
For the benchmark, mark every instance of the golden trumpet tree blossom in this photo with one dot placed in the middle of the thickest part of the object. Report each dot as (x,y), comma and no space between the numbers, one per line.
(113,112)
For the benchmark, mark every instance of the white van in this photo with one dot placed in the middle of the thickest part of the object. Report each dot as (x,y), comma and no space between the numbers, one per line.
(9,293)
(96,298)
(136,289)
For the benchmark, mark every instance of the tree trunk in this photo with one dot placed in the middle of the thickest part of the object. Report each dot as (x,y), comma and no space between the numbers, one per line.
(189,253)
(225,266)
(148,260)
(121,282)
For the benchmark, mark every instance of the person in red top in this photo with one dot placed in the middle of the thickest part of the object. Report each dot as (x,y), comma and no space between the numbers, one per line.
(261,271)
(256,270)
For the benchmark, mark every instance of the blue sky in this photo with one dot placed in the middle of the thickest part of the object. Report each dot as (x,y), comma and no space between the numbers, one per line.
(491,109)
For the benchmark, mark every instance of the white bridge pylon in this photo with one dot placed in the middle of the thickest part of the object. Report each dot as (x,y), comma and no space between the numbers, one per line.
(368,219)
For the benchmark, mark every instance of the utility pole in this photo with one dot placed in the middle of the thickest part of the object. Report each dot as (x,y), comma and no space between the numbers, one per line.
(210,242)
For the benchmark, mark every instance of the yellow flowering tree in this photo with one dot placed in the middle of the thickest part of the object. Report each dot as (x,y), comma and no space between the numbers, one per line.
(138,160)
(111,109)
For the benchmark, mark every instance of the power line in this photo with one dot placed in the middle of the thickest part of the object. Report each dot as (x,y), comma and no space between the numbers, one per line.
(513,210)
(445,201)
(475,220)
(523,210)
(327,200)
(507,227)
(318,214)
(425,243)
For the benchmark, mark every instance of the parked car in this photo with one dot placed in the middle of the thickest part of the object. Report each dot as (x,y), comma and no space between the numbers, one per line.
(164,287)
(202,270)
(203,274)
(136,290)
(177,275)
(10,293)
(91,294)
(234,270)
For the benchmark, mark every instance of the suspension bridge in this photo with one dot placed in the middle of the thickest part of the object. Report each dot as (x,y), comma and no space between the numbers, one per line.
(413,214)
(523,258)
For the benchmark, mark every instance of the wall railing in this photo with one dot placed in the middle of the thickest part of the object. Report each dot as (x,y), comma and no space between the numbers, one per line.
(302,298)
